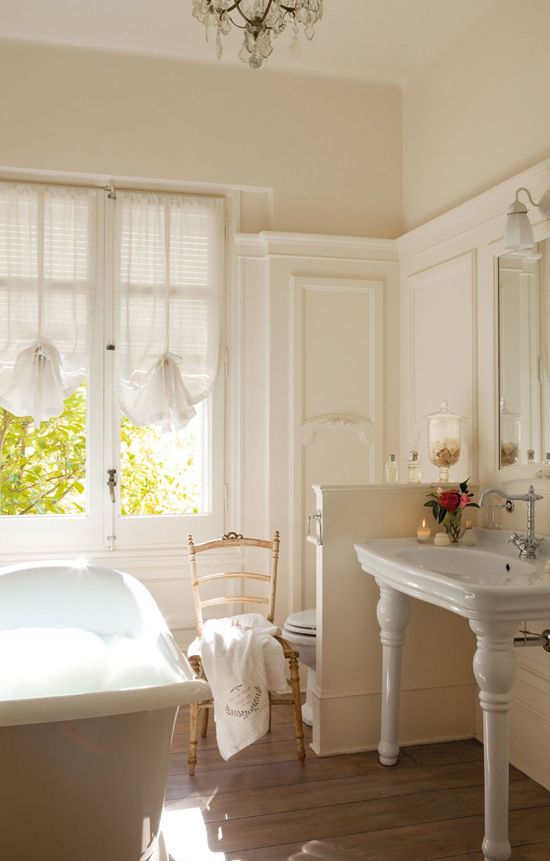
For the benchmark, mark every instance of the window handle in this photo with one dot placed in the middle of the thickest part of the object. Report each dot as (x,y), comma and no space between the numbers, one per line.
(111,483)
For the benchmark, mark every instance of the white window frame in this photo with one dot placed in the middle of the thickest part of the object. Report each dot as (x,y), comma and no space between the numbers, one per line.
(102,528)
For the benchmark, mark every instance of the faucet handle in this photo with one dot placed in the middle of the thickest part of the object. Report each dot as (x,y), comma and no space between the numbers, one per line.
(518,540)
(532,493)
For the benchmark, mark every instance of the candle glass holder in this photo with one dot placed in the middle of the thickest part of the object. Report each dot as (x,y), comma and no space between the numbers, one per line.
(444,440)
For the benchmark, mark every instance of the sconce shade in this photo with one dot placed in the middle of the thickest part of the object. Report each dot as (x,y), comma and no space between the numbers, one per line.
(519,233)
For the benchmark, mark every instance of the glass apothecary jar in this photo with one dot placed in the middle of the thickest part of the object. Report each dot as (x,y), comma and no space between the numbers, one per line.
(444,440)
(510,435)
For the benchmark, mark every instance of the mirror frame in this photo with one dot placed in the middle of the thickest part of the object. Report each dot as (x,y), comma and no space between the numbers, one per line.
(516,471)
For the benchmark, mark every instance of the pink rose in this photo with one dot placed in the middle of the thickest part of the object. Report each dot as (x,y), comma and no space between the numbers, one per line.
(464,500)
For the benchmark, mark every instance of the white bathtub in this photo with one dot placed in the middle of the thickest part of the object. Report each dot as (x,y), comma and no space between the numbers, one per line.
(84,755)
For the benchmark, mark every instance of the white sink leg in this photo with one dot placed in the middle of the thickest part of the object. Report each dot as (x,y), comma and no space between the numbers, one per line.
(393,613)
(495,669)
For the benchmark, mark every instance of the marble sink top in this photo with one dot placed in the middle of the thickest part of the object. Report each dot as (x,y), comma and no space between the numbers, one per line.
(488,581)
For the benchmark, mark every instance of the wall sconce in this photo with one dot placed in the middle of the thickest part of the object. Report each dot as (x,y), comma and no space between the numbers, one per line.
(518,235)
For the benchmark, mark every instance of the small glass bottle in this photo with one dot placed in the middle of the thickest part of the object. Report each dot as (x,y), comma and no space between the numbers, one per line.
(414,475)
(391,470)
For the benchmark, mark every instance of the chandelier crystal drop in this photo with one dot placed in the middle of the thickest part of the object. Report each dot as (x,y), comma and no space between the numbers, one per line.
(261,21)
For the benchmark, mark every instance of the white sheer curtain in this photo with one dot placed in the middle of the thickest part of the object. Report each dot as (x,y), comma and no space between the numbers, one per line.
(47,284)
(169,288)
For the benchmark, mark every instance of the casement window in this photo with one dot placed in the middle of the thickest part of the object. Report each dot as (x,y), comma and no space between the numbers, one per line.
(111,408)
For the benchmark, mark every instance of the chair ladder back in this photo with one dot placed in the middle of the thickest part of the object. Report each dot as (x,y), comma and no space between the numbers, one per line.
(233,540)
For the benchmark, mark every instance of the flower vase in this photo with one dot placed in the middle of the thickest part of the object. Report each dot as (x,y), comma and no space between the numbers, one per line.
(451,525)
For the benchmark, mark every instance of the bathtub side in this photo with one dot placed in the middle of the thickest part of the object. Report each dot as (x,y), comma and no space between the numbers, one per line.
(90,789)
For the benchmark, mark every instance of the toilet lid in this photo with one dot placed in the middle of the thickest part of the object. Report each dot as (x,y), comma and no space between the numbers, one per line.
(302,622)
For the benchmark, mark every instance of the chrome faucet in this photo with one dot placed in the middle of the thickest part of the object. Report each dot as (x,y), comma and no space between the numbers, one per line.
(527,544)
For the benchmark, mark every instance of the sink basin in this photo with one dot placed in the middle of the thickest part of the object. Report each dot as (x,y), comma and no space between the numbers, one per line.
(485,582)
(471,566)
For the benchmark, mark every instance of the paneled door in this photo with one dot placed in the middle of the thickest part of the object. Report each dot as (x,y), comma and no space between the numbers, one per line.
(336,369)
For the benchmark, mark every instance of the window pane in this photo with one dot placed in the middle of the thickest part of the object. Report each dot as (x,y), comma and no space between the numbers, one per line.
(164,473)
(43,469)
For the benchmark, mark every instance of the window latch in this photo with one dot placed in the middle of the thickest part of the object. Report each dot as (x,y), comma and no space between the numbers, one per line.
(111,483)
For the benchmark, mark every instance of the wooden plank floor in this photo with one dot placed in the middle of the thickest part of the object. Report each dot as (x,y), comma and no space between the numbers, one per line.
(261,806)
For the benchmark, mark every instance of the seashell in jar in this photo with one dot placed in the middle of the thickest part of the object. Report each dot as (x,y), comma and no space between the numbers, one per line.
(445,453)
(508,453)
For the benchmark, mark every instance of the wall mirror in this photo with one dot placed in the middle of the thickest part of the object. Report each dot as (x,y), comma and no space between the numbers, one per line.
(524,356)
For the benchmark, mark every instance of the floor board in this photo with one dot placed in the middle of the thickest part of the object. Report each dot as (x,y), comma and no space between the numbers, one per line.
(261,806)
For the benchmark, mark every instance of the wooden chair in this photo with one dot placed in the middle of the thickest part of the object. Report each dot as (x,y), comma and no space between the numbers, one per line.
(199,711)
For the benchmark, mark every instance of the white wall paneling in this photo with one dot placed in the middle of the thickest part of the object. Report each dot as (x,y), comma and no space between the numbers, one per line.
(440,310)
(455,257)
(336,404)
(318,315)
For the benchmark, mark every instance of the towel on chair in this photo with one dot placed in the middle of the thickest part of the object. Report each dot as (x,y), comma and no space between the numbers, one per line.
(242,662)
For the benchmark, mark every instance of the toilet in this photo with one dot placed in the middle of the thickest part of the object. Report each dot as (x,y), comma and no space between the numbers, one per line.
(300,629)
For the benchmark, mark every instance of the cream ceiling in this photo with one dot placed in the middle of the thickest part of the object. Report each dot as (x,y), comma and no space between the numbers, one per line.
(381,40)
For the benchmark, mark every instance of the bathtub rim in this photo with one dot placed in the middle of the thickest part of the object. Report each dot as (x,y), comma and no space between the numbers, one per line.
(102,703)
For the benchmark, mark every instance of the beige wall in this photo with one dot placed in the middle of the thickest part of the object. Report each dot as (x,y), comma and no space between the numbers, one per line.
(330,150)
(478,116)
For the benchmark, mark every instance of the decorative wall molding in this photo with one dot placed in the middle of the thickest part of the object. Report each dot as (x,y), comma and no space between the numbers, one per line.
(537,676)
(331,421)
(491,205)
(318,246)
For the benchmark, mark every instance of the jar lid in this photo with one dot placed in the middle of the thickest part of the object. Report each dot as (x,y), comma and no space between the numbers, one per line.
(504,411)
(445,413)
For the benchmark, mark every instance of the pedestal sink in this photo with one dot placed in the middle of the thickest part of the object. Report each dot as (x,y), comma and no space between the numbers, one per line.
(495,591)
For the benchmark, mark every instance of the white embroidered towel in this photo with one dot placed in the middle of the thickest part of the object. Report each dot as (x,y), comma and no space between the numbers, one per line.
(242,662)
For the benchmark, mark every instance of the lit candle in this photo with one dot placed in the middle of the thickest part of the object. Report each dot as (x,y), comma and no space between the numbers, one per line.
(423,533)
(441,539)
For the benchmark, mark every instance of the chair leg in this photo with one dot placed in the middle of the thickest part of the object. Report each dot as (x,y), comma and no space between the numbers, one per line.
(204,722)
(270,707)
(192,758)
(297,704)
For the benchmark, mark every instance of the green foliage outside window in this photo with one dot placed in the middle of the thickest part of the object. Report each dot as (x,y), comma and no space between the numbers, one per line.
(160,472)
(43,470)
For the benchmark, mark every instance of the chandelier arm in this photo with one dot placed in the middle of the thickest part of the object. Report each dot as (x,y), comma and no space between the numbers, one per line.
(266,13)
(238,26)
(237,6)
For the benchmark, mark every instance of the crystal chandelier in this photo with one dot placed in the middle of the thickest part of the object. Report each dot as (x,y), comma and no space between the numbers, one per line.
(261,21)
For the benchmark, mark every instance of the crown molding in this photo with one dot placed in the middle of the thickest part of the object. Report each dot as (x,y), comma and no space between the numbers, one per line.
(275,244)
(489,206)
